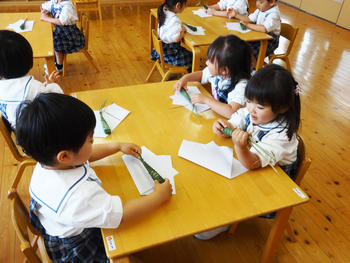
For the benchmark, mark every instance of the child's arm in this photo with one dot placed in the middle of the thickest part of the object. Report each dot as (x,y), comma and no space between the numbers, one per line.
(100,151)
(138,207)
(232,13)
(245,156)
(215,12)
(46,17)
(182,33)
(255,27)
(182,82)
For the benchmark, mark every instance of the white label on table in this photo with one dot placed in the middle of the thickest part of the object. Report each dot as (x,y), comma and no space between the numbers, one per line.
(50,53)
(299,192)
(110,243)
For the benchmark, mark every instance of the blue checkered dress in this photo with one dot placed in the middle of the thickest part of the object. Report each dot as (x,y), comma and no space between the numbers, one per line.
(86,247)
(66,39)
(272,44)
(174,54)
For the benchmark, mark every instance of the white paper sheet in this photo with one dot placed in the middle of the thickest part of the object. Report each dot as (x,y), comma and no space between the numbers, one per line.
(28,26)
(200,30)
(179,99)
(143,181)
(201,13)
(236,27)
(218,159)
(113,115)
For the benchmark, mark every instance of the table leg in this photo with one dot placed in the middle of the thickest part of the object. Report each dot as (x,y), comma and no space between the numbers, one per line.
(50,62)
(261,56)
(196,52)
(124,259)
(152,25)
(276,234)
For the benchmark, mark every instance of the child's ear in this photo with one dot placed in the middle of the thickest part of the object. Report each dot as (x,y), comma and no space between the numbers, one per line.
(64,156)
(178,5)
(224,71)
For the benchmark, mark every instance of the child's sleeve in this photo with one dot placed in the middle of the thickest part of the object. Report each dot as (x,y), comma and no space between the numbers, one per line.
(237,95)
(273,23)
(237,119)
(223,4)
(47,6)
(205,76)
(68,15)
(240,6)
(254,16)
(169,33)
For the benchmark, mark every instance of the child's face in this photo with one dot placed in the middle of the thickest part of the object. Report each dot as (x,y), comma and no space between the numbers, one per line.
(264,5)
(84,153)
(260,114)
(179,8)
(213,68)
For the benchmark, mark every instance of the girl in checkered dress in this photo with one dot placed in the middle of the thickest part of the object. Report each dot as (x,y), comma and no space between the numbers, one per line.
(67,38)
(266,18)
(171,31)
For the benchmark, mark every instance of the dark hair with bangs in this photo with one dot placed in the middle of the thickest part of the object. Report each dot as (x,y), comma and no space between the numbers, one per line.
(235,54)
(274,86)
(16,55)
(51,123)
(170,4)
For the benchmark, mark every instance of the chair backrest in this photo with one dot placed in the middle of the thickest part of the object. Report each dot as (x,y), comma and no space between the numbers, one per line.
(304,160)
(21,223)
(290,33)
(7,132)
(157,45)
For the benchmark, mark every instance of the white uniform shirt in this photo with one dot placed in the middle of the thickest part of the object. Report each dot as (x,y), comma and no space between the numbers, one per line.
(72,200)
(275,140)
(68,15)
(15,91)
(171,29)
(236,95)
(270,19)
(241,6)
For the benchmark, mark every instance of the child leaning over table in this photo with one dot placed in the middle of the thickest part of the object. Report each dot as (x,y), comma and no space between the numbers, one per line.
(266,18)
(67,38)
(68,205)
(16,60)
(223,7)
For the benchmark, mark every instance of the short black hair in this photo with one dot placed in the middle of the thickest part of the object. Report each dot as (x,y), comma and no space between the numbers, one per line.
(274,86)
(16,55)
(53,122)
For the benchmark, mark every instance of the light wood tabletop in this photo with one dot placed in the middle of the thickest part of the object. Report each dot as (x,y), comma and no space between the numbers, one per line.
(40,38)
(214,27)
(204,199)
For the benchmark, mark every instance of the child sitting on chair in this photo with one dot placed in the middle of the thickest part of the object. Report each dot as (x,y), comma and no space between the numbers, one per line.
(68,205)
(223,7)
(16,59)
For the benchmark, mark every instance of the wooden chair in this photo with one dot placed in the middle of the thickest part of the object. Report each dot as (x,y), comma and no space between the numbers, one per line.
(30,239)
(164,69)
(84,27)
(304,165)
(88,5)
(290,33)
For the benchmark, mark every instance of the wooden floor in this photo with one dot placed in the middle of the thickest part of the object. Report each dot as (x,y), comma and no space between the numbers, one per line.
(321,64)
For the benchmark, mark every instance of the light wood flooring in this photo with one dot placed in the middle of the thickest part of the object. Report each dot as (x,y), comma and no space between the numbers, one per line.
(321,64)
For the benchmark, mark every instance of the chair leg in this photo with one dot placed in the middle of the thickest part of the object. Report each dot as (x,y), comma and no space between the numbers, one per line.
(64,64)
(151,72)
(286,59)
(166,76)
(232,228)
(90,59)
(290,233)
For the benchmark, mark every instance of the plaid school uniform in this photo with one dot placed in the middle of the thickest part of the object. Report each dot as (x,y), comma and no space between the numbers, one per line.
(174,54)
(87,247)
(68,38)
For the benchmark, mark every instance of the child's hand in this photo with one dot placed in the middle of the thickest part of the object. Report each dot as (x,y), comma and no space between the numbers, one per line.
(231,13)
(199,98)
(44,16)
(163,191)
(130,148)
(218,126)
(181,83)
(240,138)
(54,77)
(210,11)
(244,23)
(43,11)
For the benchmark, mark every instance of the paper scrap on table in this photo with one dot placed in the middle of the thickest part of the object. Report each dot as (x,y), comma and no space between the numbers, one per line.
(218,159)
(236,27)
(200,30)
(28,26)
(179,99)
(143,181)
(113,115)
(201,13)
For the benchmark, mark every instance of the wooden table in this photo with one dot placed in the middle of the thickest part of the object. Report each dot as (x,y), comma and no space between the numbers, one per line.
(214,27)
(40,38)
(204,199)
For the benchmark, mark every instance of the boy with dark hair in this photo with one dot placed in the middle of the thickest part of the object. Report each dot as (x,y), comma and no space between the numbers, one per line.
(16,59)
(68,205)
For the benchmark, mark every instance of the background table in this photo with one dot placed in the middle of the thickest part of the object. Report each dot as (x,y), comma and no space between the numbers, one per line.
(204,199)
(40,38)
(214,27)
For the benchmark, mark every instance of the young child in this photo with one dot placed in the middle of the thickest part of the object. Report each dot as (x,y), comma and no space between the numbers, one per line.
(228,71)
(223,7)
(68,204)
(266,18)
(171,31)
(272,118)
(16,59)
(67,38)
